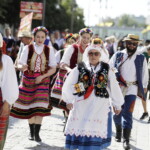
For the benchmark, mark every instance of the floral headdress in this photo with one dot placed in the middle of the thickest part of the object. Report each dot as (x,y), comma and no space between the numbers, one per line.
(86,30)
(68,36)
(97,41)
(40,28)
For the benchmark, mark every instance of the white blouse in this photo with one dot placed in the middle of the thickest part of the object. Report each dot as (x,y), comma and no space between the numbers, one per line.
(38,50)
(8,81)
(89,117)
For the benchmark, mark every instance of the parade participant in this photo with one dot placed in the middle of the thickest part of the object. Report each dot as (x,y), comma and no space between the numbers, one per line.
(26,38)
(8,91)
(72,56)
(70,39)
(132,73)
(86,92)
(144,103)
(38,63)
(105,54)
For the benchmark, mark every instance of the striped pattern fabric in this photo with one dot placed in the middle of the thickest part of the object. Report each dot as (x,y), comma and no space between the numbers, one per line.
(3,125)
(33,98)
(57,87)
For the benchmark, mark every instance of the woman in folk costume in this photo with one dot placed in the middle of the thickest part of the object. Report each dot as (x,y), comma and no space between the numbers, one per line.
(8,91)
(38,63)
(86,92)
(72,56)
(54,97)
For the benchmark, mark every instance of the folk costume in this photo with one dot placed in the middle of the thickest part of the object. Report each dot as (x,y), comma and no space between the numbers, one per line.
(72,56)
(88,88)
(8,91)
(34,98)
(132,73)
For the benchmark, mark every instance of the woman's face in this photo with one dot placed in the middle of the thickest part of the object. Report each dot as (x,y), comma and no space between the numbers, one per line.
(85,39)
(40,37)
(94,57)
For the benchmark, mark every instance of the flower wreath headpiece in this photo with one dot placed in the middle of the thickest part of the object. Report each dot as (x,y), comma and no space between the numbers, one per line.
(40,28)
(86,30)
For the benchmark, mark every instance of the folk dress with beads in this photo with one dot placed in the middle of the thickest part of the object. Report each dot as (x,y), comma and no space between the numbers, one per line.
(34,98)
(89,123)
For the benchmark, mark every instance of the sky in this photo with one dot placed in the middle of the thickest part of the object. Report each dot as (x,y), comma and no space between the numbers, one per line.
(95,10)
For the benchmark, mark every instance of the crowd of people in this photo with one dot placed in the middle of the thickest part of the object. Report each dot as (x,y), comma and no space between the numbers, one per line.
(92,80)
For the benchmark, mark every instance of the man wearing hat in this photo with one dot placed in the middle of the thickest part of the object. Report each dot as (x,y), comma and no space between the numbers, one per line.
(132,74)
(26,38)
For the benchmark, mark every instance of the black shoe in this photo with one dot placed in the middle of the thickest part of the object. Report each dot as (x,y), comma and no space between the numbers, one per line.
(31,135)
(118,133)
(126,135)
(126,145)
(148,120)
(144,115)
(36,134)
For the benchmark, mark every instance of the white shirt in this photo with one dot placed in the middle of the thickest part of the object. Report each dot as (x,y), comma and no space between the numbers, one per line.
(38,50)
(128,71)
(8,80)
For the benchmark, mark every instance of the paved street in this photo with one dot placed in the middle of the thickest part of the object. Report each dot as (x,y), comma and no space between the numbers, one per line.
(53,137)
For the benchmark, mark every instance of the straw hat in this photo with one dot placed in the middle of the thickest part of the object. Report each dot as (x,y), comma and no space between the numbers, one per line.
(132,37)
(26,34)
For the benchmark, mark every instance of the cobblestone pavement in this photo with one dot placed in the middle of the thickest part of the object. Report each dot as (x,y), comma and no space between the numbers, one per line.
(53,137)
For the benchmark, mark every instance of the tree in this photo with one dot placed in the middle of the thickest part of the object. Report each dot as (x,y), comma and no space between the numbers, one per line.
(126,20)
(58,14)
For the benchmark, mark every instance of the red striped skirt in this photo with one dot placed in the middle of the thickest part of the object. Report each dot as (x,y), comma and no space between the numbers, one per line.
(57,87)
(56,91)
(3,125)
(33,98)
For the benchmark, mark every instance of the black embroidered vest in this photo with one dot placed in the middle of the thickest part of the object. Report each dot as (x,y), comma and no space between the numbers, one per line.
(100,80)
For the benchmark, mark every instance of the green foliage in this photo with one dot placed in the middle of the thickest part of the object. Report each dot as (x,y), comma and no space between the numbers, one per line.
(58,14)
(129,21)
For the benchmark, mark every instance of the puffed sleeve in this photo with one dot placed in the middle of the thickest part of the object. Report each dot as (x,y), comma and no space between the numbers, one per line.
(67,56)
(24,56)
(57,55)
(115,92)
(9,85)
(52,59)
(68,89)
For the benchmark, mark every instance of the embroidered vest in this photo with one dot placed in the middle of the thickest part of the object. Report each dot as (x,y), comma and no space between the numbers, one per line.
(32,59)
(100,80)
(74,57)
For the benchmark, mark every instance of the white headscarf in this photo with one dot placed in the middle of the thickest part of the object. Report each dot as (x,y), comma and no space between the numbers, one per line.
(1,40)
(98,48)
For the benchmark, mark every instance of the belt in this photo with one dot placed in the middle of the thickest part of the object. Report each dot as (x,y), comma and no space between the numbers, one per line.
(131,83)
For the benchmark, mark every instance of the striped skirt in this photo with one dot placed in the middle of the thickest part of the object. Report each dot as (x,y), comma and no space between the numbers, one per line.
(56,90)
(33,98)
(3,125)
(90,143)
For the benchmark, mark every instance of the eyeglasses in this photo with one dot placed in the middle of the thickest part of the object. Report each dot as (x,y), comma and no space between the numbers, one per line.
(132,43)
(93,53)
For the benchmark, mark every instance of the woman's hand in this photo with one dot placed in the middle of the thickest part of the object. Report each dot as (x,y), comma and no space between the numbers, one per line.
(116,111)
(38,79)
(5,110)
(22,67)
(70,106)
